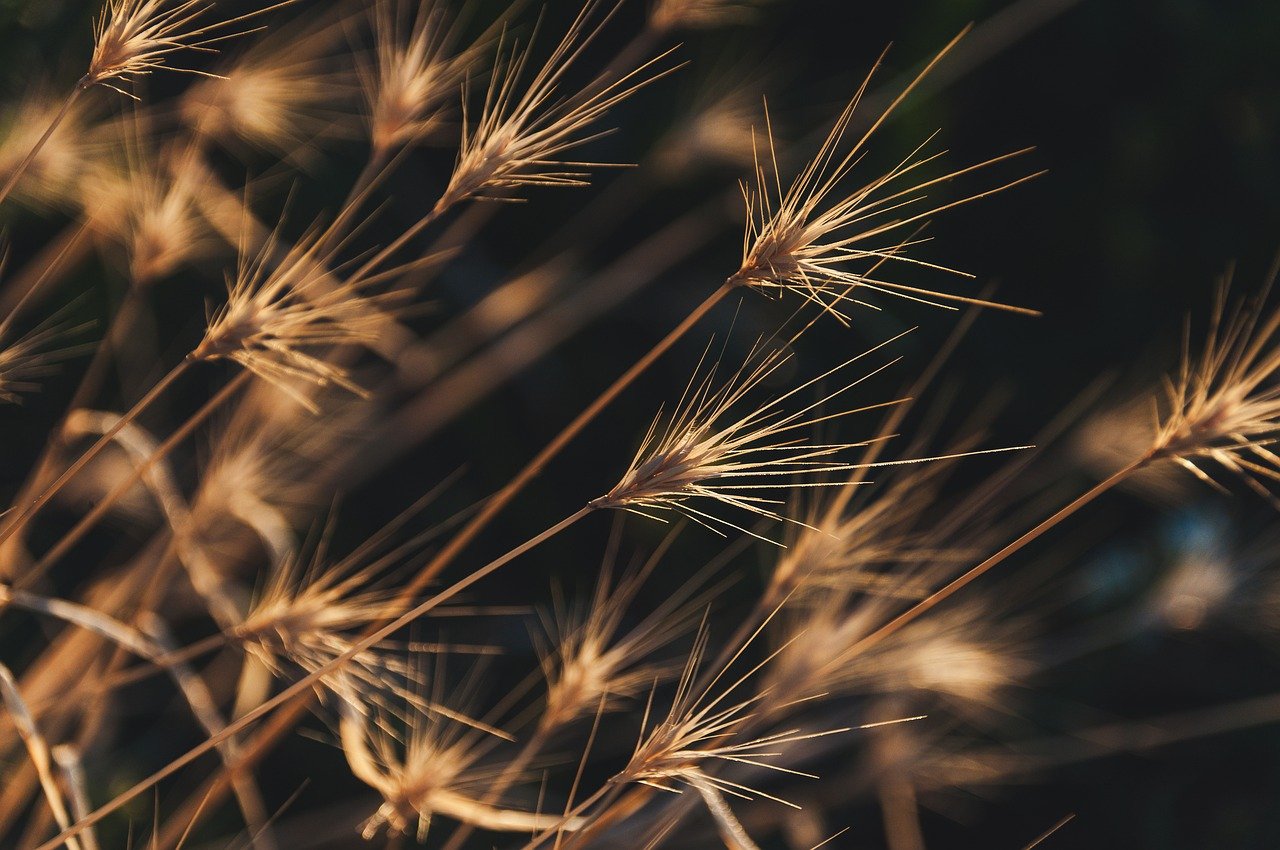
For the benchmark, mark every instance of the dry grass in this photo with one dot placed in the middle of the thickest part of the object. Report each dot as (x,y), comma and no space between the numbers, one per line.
(627,721)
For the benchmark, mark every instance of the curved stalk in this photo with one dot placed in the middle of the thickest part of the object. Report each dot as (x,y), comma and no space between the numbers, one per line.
(14,525)
(290,696)
(89,520)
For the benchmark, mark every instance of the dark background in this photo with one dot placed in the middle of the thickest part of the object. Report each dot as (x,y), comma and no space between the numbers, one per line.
(1158,123)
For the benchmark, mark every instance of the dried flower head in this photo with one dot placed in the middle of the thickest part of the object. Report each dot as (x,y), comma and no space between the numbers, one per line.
(432,768)
(415,72)
(134,37)
(830,251)
(253,479)
(166,230)
(35,354)
(881,545)
(261,472)
(966,656)
(524,130)
(311,611)
(1224,405)
(279,311)
(592,660)
(707,450)
(705,729)
(718,129)
(146,200)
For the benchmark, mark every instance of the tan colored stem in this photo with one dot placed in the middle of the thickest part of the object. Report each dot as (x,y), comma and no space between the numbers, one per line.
(39,752)
(89,520)
(510,772)
(998,557)
(14,525)
(69,762)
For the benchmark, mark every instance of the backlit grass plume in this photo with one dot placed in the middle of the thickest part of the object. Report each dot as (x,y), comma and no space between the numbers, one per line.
(1223,406)
(135,37)
(282,312)
(282,95)
(716,447)
(595,659)
(178,587)
(829,243)
(708,727)
(434,767)
(35,354)
(415,74)
(525,126)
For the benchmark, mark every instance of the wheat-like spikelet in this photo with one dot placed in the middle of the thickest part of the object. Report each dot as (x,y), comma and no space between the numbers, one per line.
(282,313)
(827,243)
(309,612)
(435,767)
(524,128)
(1223,406)
(963,656)
(259,472)
(703,452)
(415,74)
(707,727)
(282,95)
(880,545)
(144,198)
(35,354)
(132,38)
(597,666)
(719,130)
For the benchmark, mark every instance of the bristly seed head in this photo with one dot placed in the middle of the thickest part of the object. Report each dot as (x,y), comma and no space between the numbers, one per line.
(134,37)
(275,316)
(798,241)
(1224,406)
(413,73)
(432,767)
(34,355)
(705,728)
(523,131)
(705,453)
(593,667)
(280,95)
